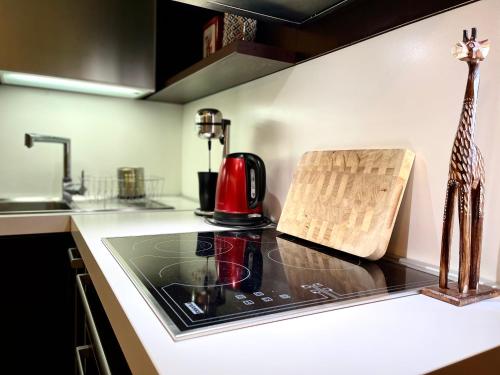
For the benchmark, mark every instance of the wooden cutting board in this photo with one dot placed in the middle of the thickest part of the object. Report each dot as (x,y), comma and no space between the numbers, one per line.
(347,200)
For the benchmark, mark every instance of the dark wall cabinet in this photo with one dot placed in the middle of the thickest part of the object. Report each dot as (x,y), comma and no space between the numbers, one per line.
(105,41)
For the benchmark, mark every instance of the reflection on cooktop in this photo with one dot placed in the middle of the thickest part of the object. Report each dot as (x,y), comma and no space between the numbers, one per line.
(198,283)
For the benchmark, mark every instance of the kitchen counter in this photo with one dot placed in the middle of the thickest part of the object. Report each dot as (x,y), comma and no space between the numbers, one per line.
(413,334)
(55,222)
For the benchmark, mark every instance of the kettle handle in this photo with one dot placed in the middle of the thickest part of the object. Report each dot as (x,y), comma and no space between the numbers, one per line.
(255,162)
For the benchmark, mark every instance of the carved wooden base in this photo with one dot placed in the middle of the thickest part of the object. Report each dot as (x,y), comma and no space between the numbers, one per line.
(451,295)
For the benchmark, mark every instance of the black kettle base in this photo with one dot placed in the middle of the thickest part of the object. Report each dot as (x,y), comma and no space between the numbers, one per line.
(262,222)
(199,212)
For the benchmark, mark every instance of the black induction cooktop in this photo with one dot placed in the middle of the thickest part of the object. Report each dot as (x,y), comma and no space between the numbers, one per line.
(200,283)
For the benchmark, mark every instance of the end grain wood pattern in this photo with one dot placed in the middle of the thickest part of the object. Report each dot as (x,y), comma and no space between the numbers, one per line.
(347,200)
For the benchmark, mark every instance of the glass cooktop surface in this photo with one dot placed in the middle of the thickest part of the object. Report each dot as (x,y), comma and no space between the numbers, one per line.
(201,283)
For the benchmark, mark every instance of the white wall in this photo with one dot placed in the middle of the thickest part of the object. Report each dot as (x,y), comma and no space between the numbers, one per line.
(401,89)
(106,133)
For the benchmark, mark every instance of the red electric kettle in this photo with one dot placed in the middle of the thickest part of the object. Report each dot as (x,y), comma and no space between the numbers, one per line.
(241,188)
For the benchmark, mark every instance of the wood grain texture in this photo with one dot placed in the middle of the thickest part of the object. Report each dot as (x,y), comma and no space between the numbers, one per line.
(452,294)
(466,177)
(232,65)
(347,200)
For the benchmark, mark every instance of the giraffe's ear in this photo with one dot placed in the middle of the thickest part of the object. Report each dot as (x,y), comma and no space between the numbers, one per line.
(459,50)
(484,48)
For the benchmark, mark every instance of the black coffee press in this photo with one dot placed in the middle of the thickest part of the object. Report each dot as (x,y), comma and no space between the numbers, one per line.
(207,185)
(210,125)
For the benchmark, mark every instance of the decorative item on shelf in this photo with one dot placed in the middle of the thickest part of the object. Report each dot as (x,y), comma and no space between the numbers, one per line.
(212,35)
(465,180)
(238,28)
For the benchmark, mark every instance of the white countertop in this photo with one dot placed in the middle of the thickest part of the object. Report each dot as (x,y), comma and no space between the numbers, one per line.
(407,335)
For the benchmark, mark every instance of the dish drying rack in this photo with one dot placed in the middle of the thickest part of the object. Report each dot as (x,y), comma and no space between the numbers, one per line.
(106,189)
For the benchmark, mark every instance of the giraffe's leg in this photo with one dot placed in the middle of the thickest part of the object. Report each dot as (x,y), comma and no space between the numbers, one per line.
(464,217)
(449,206)
(476,235)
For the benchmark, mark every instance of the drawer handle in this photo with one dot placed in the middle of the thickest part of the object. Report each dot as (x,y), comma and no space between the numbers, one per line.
(101,357)
(75,259)
(84,351)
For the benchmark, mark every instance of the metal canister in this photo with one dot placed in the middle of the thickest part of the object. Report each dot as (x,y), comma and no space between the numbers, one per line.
(209,123)
(131,183)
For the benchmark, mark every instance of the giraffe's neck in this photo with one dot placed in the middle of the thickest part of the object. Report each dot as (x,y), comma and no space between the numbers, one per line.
(467,123)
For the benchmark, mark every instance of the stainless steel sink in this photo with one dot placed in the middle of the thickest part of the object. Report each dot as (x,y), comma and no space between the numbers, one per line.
(15,206)
(47,205)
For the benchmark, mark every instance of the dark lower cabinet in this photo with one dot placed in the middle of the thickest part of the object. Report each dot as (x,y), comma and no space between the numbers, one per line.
(42,315)
(98,351)
(37,304)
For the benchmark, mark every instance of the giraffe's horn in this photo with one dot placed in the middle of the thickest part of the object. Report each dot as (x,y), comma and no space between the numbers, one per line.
(474,33)
(465,37)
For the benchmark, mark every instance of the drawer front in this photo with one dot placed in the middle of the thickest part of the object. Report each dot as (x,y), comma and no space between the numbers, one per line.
(83,282)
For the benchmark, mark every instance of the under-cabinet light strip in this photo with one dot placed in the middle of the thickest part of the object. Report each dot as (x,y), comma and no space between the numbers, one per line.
(73,85)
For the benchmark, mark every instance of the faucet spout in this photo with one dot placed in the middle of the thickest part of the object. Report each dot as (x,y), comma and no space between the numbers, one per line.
(69,188)
(31,138)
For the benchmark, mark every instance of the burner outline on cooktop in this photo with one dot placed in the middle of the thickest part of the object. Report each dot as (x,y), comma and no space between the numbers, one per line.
(300,304)
(250,237)
(248,273)
(353,265)
(207,244)
(205,240)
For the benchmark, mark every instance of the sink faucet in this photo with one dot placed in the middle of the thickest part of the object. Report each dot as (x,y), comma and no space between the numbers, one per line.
(69,187)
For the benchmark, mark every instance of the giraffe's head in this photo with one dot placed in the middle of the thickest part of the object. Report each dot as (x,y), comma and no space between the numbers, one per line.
(471,50)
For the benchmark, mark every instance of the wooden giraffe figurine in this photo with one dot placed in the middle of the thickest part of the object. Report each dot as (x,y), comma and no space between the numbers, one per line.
(466,177)
(465,182)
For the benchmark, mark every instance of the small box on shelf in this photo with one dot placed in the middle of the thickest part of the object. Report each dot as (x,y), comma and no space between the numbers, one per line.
(212,35)
(238,28)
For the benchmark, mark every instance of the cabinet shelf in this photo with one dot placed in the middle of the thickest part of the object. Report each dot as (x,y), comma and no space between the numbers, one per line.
(232,65)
